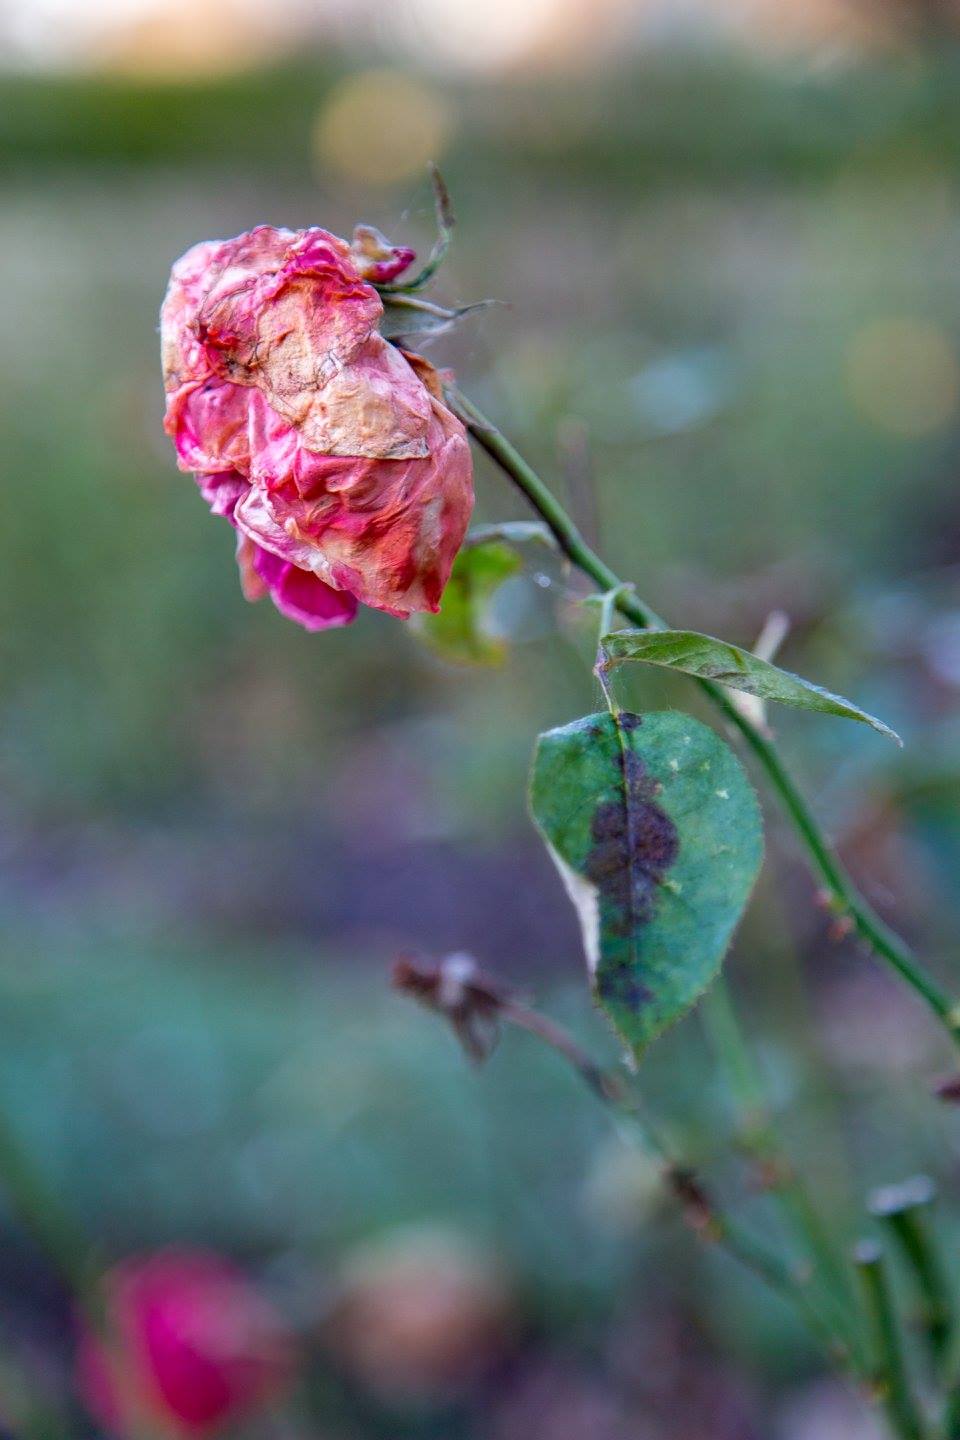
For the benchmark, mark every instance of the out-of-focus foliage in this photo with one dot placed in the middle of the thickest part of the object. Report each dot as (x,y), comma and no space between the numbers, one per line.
(460,632)
(740,282)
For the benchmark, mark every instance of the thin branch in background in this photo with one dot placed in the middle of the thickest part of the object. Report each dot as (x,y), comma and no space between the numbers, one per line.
(464,995)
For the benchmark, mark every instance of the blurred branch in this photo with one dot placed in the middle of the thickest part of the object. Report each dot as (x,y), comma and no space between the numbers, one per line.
(478,1006)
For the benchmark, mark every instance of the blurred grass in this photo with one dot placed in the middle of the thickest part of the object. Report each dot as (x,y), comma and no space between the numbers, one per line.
(648,120)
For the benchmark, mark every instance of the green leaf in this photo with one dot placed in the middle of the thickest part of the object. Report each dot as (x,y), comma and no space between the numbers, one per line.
(458,631)
(657,835)
(718,660)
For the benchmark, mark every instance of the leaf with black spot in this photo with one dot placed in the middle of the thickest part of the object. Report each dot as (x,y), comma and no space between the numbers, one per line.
(657,835)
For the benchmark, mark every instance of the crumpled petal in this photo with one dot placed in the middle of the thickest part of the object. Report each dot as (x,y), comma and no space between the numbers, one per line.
(289,313)
(222,490)
(301,595)
(387,531)
(209,421)
(330,450)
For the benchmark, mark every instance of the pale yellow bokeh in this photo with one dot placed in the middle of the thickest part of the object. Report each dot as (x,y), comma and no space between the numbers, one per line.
(381,126)
(903,372)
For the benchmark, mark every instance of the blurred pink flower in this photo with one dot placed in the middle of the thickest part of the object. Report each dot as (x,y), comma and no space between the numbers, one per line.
(188,1347)
(331,452)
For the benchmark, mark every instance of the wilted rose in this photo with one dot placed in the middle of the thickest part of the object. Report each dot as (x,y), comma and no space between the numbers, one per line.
(331,451)
(188,1346)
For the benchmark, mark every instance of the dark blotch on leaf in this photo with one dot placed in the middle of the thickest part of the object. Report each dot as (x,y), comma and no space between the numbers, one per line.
(620,987)
(635,843)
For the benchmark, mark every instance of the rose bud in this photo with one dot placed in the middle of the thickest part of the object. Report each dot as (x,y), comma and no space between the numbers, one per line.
(348,480)
(187,1347)
(420,1314)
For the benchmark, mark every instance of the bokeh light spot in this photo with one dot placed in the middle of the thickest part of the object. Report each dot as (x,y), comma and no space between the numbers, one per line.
(904,374)
(381,126)
(489,36)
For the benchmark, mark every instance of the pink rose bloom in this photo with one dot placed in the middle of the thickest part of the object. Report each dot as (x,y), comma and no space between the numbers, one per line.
(330,451)
(190,1347)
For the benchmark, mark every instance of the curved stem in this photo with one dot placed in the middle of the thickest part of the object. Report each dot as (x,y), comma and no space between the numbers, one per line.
(845,899)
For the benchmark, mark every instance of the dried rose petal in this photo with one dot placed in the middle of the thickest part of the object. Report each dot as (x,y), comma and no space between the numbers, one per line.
(328,449)
(377,260)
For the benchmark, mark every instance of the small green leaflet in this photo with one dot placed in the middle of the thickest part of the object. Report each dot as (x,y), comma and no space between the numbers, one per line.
(718,660)
(657,835)
(458,631)
(405,318)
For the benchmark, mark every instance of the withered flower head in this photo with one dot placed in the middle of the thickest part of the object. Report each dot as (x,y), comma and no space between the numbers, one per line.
(346,477)
(455,987)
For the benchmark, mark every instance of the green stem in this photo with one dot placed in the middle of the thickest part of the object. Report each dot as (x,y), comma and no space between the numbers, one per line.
(891,1381)
(759,1139)
(905,1209)
(844,896)
(921,1254)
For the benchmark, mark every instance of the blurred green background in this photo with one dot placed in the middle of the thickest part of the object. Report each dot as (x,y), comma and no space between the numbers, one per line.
(732,337)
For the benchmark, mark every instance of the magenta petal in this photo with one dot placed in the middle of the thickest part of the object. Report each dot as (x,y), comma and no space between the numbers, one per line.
(392,265)
(222,491)
(302,596)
